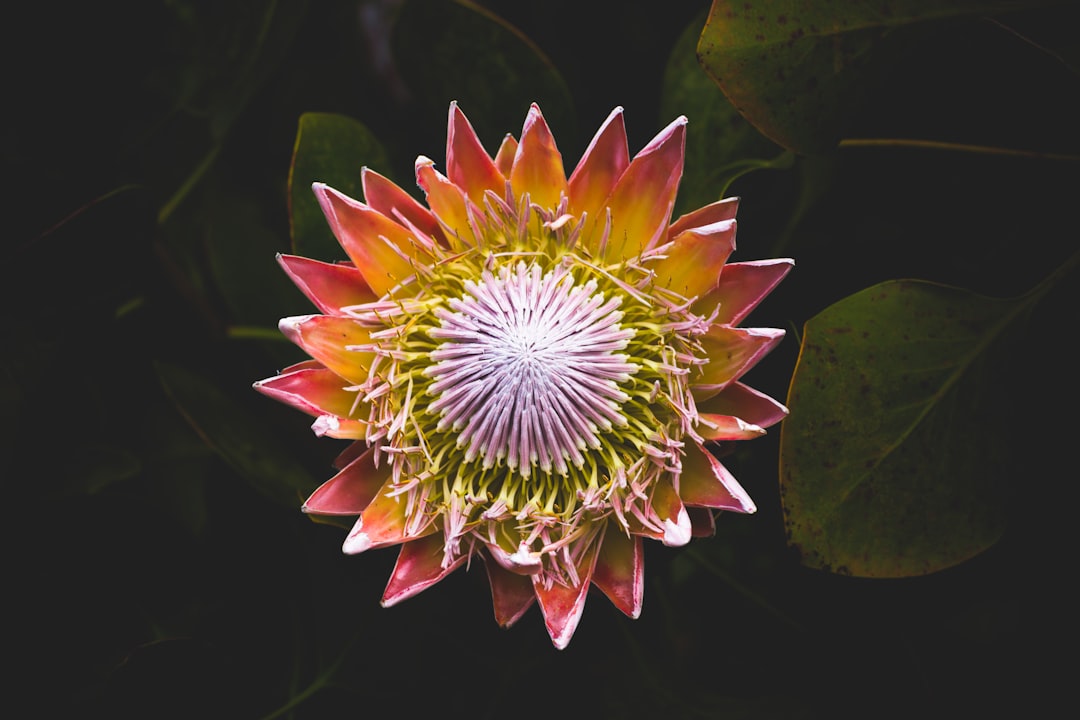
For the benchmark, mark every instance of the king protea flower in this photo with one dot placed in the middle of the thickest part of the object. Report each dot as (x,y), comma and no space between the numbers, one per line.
(532,367)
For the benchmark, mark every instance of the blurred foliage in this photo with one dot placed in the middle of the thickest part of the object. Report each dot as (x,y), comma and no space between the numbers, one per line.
(159,562)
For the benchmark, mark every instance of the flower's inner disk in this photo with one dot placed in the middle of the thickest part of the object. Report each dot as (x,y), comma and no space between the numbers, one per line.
(528,369)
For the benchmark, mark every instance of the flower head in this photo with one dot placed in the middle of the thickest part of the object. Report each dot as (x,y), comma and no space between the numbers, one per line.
(530,367)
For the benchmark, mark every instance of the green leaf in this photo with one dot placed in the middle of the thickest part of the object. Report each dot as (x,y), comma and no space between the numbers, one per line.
(457,50)
(721,145)
(237,436)
(795,70)
(331,149)
(893,460)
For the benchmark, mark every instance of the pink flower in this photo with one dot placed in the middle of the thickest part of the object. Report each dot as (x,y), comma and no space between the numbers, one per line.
(531,367)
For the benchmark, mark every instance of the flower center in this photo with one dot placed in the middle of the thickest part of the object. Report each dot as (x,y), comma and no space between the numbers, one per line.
(528,369)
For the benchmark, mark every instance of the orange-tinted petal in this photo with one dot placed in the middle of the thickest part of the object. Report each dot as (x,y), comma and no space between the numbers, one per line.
(418,567)
(742,286)
(731,352)
(328,338)
(382,523)
(642,199)
(319,392)
(693,264)
(504,159)
(396,204)
(604,162)
(511,594)
(379,247)
(620,570)
(467,163)
(712,213)
(713,426)
(351,490)
(669,509)
(448,202)
(538,167)
(562,605)
(705,482)
(746,403)
(330,286)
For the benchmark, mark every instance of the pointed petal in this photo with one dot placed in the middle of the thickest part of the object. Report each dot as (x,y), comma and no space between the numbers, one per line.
(669,509)
(378,246)
(604,162)
(382,523)
(644,196)
(504,159)
(467,163)
(328,339)
(318,392)
(562,605)
(330,286)
(702,520)
(696,258)
(511,594)
(731,352)
(742,286)
(418,567)
(538,167)
(448,202)
(746,403)
(396,204)
(620,570)
(351,491)
(726,427)
(712,213)
(705,482)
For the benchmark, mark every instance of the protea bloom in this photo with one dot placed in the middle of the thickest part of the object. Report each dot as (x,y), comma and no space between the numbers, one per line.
(530,367)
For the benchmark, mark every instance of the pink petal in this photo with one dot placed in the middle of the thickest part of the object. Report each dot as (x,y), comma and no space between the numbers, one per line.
(705,482)
(604,162)
(702,520)
(378,246)
(350,453)
(731,352)
(327,339)
(712,213)
(396,204)
(448,202)
(696,258)
(538,167)
(746,403)
(742,286)
(419,566)
(317,391)
(330,286)
(511,594)
(504,158)
(382,523)
(467,163)
(726,427)
(620,570)
(642,199)
(562,605)
(351,491)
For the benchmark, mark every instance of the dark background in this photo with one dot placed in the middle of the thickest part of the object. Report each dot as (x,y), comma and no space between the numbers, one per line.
(151,577)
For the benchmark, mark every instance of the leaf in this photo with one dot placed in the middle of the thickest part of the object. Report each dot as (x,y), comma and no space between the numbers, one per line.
(721,144)
(237,436)
(893,458)
(460,51)
(795,70)
(332,149)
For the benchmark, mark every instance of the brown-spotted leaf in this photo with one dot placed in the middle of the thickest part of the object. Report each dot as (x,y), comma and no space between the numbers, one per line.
(892,459)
